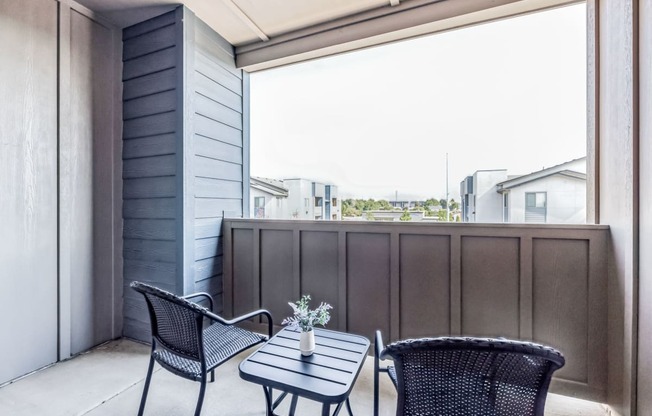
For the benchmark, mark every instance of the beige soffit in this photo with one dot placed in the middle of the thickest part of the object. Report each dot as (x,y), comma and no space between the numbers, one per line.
(269,33)
(409,19)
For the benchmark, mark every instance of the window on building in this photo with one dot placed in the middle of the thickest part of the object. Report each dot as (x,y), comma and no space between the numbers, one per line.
(259,207)
(535,206)
(334,202)
(319,201)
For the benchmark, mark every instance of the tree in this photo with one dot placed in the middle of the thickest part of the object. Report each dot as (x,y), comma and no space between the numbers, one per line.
(432,202)
(454,205)
(442,203)
(406,216)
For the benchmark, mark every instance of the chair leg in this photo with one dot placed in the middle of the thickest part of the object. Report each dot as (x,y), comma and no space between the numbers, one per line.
(213,376)
(202,391)
(376,381)
(143,399)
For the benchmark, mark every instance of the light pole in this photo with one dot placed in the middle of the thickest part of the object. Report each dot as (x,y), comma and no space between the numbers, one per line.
(448,210)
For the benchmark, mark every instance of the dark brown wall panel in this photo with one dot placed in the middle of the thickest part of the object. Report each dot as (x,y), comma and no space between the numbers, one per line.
(490,286)
(560,310)
(368,269)
(319,267)
(243,272)
(425,286)
(276,284)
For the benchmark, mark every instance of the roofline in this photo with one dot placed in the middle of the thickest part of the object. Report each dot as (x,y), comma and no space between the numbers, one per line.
(569,173)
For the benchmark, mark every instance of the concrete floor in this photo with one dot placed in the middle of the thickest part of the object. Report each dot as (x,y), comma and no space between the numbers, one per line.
(108,381)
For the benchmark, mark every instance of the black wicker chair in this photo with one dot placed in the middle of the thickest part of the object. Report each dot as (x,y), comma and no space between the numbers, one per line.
(467,376)
(182,345)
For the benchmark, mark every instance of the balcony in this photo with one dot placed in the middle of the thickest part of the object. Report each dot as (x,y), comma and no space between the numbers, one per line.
(108,168)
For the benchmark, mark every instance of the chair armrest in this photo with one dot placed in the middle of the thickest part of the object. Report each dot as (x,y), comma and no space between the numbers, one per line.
(247,316)
(378,344)
(203,295)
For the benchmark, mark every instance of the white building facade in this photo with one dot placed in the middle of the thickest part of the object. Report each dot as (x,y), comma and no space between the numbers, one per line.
(268,198)
(296,198)
(555,195)
(479,200)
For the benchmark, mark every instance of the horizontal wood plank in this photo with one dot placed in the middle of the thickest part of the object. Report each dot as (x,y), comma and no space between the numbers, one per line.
(216,149)
(207,268)
(221,52)
(210,207)
(149,42)
(157,273)
(207,67)
(159,208)
(149,229)
(208,227)
(156,187)
(150,250)
(217,169)
(208,247)
(217,188)
(154,125)
(147,64)
(217,111)
(150,84)
(211,89)
(210,128)
(147,167)
(164,144)
(148,25)
(148,105)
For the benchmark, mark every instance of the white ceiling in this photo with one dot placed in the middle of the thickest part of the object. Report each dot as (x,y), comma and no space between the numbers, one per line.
(239,21)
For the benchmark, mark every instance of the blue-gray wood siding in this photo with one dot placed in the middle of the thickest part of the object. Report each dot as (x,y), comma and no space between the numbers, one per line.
(150,103)
(218,152)
(185,157)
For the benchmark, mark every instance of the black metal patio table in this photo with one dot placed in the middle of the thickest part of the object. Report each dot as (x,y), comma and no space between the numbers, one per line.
(327,376)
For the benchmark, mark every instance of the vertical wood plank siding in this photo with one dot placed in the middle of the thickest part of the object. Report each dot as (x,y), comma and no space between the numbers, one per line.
(183,157)
(150,97)
(547,283)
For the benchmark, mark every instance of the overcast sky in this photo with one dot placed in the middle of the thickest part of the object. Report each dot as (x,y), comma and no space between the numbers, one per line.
(504,95)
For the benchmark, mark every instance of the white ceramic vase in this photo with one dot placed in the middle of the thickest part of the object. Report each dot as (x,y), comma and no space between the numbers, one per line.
(307,343)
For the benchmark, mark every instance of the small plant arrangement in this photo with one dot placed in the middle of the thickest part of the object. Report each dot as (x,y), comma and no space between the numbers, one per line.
(306,318)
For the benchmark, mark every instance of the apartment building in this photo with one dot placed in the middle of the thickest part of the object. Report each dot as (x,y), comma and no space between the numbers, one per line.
(555,195)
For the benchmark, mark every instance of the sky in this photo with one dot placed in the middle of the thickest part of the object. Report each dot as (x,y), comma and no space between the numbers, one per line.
(508,95)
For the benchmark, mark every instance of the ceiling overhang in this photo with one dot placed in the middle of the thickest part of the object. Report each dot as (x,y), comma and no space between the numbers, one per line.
(409,19)
(270,33)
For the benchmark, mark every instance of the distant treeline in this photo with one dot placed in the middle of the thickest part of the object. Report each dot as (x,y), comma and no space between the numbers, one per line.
(431,207)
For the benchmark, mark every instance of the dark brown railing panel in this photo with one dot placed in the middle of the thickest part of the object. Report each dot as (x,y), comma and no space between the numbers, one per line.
(541,283)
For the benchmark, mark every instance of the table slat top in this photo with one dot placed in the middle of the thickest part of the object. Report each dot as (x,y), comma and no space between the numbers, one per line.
(327,375)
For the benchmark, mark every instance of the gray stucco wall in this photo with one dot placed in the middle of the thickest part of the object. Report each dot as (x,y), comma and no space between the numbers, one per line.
(59,175)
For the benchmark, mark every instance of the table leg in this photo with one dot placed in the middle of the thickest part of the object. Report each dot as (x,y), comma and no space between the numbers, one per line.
(348,407)
(268,400)
(326,410)
(293,404)
(337,409)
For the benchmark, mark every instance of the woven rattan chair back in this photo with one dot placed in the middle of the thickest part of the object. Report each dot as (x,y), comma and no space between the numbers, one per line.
(471,376)
(176,322)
